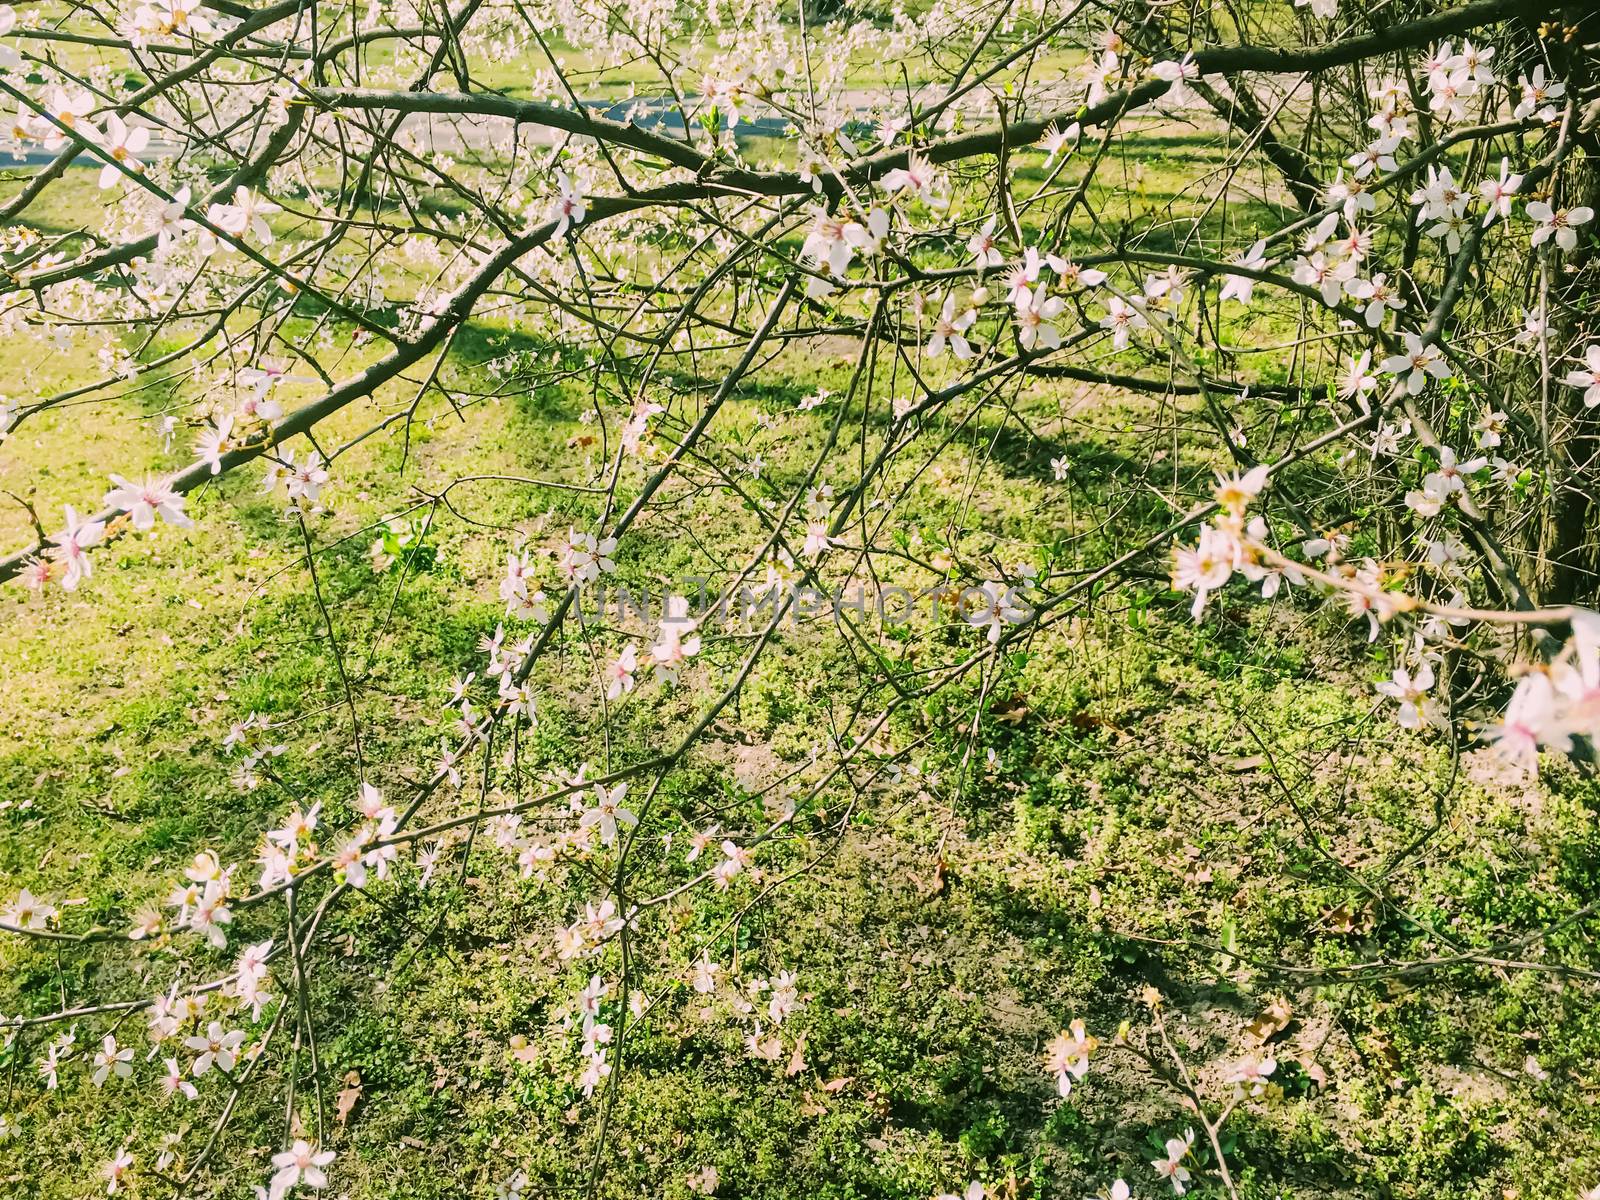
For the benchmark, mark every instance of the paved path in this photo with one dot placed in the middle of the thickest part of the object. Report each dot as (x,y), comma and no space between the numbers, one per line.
(454,132)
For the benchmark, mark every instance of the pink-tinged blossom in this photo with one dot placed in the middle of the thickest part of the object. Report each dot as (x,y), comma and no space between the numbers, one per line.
(1358,378)
(71,548)
(569,209)
(1072,275)
(1378,296)
(917,177)
(217,1047)
(1122,318)
(607,813)
(1252,1074)
(1056,139)
(826,244)
(869,236)
(985,247)
(111,1060)
(1587,377)
(122,142)
(300,1165)
(245,217)
(1498,193)
(1036,317)
(588,557)
(1235,492)
(677,643)
(1179,74)
(1242,287)
(1536,94)
(1532,720)
(215,440)
(1561,224)
(174,1083)
(28,912)
(68,110)
(1067,1056)
(1171,1167)
(997,610)
(1417,365)
(144,502)
(1206,567)
(949,329)
(116,1171)
(619,675)
(1377,157)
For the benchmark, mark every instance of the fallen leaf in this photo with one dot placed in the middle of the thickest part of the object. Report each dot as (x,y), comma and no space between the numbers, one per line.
(1272,1020)
(349,1096)
(1015,711)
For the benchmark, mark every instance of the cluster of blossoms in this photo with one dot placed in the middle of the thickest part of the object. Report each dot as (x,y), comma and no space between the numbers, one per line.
(588,935)
(764,1004)
(586,560)
(818,505)
(1330,261)
(588,557)
(513,695)
(67,561)
(302,481)
(835,240)
(597,1035)
(197,1038)
(1066,1059)
(1067,1056)
(1038,314)
(247,738)
(1552,704)
(168,18)
(1228,545)
(1556,702)
(144,504)
(668,655)
(68,557)
(62,115)
(364,851)
(201,901)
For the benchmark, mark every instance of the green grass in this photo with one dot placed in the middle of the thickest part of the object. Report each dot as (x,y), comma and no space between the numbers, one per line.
(1167,804)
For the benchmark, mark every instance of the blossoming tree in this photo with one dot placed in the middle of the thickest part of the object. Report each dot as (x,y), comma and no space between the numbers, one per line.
(1376,326)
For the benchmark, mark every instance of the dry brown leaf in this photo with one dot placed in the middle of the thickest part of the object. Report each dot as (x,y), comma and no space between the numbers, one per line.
(1346,921)
(1015,711)
(349,1096)
(1272,1020)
